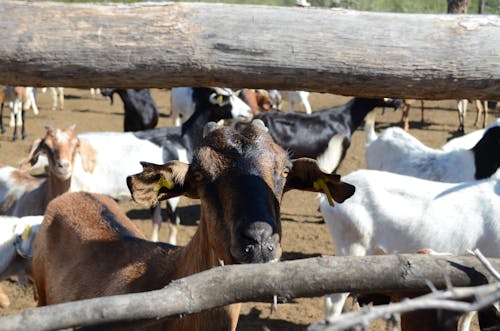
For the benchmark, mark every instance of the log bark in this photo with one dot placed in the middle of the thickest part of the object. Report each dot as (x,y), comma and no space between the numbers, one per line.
(195,44)
(240,283)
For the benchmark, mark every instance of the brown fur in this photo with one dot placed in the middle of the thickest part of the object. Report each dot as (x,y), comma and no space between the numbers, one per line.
(36,192)
(406,111)
(88,248)
(258,101)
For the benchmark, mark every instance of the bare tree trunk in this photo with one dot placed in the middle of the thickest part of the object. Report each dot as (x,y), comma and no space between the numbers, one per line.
(240,283)
(339,51)
(457,6)
(480,7)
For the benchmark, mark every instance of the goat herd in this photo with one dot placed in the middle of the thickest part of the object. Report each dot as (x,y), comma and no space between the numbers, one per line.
(238,155)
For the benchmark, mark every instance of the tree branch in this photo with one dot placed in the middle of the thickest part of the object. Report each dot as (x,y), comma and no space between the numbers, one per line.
(449,300)
(482,296)
(241,283)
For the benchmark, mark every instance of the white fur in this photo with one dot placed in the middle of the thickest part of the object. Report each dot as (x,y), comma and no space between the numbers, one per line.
(14,257)
(182,104)
(397,151)
(392,213)
(118,156)
(469,140)
(294,97)
(330,158)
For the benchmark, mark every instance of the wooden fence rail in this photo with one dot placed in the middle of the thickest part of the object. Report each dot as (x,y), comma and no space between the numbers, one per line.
(240,283)
(196,44)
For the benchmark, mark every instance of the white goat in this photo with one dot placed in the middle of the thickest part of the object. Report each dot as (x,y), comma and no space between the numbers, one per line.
(391,213)
(16,249)
(57,94)
(292,97)
(22,194)
(397,151)
(469,140)
(481,107)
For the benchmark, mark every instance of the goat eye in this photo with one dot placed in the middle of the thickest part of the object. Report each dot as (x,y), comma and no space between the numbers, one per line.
(285,172)
(198,176)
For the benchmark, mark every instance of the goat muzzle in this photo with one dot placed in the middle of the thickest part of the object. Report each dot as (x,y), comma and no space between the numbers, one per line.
(257,243)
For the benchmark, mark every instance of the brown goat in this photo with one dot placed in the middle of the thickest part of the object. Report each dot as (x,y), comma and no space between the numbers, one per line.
(259,101)
(21,194)
(406,111)
(239,177)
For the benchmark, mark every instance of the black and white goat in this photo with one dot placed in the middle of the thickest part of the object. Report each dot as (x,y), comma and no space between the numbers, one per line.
(323,135)
(141,112)
(395,150)
(118,154)
(469,140)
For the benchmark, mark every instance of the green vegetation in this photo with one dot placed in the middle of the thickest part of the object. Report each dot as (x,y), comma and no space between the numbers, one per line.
(398,6)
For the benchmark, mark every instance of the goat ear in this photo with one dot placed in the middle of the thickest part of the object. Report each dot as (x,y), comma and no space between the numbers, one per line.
(305,175)
(160,182)
(32,159)
(88,155)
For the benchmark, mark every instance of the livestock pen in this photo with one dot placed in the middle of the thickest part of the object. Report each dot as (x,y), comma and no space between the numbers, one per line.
(304,235)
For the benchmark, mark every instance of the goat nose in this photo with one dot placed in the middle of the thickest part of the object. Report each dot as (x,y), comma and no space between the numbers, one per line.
(63,164)
(258,232)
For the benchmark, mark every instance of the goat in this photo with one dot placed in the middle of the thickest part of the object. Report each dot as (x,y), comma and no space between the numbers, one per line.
(406,111)
(392,213)
(22,194)
(140,109)
(57,95)
(324,134)
(158,145)
(94,92)
(481,107)
(397,151)
(184,100)
(16,249)
(469,140)
(239,177)
(293,97)
(21,98)
(259,101)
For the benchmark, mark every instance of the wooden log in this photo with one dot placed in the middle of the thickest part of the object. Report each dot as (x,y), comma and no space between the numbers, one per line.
(196,44)
(259,282)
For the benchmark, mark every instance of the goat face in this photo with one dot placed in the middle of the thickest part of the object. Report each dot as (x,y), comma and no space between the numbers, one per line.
(223,102)
(61,147)
(240,178)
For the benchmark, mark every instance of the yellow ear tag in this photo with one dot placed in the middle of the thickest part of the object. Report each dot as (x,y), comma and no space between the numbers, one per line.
(26,232)
(220,99)
(320,184)
(164,182)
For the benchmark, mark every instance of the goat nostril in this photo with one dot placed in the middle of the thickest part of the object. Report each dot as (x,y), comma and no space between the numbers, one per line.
(249,248)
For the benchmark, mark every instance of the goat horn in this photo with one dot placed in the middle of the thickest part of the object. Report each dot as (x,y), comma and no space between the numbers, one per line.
(209,127)
(48,127)
(260,124)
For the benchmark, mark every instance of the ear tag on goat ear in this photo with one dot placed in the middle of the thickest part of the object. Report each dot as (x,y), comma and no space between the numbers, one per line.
(164,182)
(320,184)
(26,232)
(220,99)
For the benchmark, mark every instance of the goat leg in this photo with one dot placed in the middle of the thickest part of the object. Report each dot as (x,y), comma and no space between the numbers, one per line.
(1,119)
(23,129)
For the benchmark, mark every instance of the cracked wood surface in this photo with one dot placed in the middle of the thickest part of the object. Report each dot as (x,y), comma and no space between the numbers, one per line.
(197,44)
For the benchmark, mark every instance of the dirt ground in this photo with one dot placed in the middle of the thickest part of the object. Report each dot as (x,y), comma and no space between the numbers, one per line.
(304,233)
